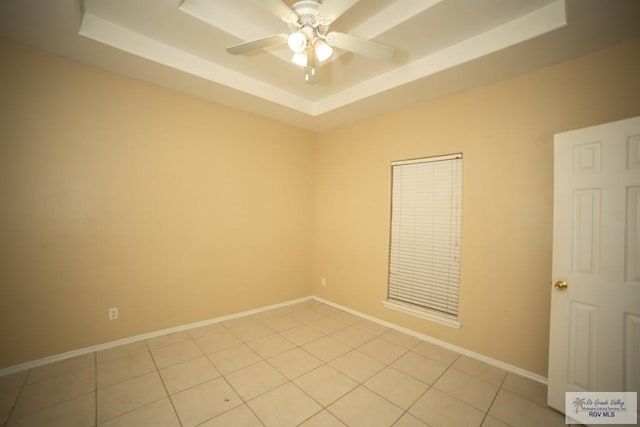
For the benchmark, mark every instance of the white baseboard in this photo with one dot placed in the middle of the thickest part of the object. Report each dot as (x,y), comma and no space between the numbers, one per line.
(79,352)
(497,363)
(86,350)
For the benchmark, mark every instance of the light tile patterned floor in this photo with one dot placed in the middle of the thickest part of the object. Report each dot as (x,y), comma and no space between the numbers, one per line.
(307,365)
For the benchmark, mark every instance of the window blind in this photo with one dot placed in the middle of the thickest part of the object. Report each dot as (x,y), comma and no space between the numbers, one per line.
(426,215)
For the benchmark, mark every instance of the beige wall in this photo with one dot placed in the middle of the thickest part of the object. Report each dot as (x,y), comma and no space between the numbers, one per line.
(505,131)
(119,193)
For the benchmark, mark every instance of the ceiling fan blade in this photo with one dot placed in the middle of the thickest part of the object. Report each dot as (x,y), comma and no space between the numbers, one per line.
(280,9)
(360,46)
(330,10)
(245,47)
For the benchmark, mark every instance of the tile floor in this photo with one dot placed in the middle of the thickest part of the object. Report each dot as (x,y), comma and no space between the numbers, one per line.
(307,365)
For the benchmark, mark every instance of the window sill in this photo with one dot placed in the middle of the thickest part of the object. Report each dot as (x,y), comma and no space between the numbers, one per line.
(423,313)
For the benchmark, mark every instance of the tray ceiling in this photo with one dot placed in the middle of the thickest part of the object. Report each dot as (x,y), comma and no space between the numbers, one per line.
(442,47)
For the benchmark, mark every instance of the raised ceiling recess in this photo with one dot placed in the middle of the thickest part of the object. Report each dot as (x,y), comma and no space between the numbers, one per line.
(418,50)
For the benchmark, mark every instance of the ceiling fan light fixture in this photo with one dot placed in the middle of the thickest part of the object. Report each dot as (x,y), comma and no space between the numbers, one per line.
(297,41)
(309,38)
(299,58)
(323,50)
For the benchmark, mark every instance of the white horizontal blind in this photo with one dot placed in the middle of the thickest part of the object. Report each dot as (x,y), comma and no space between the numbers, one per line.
(426,215)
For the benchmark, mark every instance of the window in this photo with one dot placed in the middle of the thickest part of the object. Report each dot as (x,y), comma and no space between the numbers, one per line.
(426,216)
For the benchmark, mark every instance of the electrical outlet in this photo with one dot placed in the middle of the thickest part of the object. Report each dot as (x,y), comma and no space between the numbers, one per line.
(323,281)
(113,313)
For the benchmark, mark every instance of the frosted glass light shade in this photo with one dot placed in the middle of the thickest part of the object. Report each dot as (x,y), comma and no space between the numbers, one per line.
(299,58)
(323,51)
(297,41)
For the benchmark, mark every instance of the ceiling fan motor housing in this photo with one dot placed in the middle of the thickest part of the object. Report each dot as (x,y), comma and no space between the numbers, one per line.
(307,11)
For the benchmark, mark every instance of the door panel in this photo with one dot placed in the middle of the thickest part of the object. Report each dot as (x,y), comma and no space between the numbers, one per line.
(632,254)
(582,346)
(632,353)
(586,231)
(595,321)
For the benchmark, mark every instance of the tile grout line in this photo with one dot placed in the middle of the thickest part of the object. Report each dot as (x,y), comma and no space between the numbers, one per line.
(494,400)
(95,362)
(263,359)
(50,405)
(430,386)
(132,378)
(266,360)
(48,360)
(15,402)
(361,327)
(156,370)
(57,375)
(242,399)
(486,413)
(387,366)
(244,402)
(358,383)
(149,350)
(327,363)
(175,411)
(390,365)
(291,381)
(299,346)
(444,344)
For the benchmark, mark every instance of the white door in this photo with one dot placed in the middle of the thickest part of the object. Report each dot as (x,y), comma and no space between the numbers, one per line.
(595,321)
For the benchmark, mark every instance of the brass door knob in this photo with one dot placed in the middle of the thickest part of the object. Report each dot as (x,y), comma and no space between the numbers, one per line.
(561,285)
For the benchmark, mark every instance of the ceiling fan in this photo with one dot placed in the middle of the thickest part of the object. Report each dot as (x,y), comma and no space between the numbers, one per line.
(309,37)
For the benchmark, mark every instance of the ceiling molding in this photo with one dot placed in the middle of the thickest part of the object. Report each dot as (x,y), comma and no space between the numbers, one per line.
(392,16)
(541,21)
(137,44)
(538,22)
(442,47)
(216,14)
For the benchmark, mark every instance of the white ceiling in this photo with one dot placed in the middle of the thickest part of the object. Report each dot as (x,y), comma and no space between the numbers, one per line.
(442,47)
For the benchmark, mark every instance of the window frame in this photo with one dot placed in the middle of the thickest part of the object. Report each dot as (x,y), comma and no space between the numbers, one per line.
(408,307)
